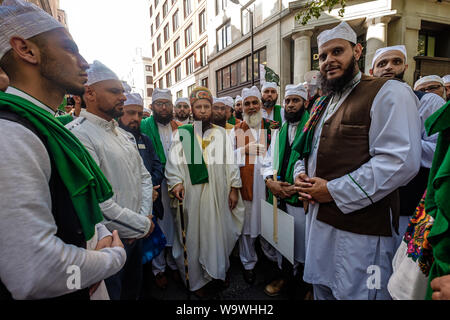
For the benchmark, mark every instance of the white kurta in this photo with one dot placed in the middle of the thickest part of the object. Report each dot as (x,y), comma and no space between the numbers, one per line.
(211,229)
(297,212)
(341,260)
(116,153)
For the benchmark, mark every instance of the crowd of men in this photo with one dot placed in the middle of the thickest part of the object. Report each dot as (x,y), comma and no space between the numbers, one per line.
(360,162)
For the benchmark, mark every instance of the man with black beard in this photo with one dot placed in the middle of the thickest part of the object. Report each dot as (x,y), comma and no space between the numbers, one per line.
(282,158)
(269,97)
(391,62)
(219,112)
(361,143)
(160,128)
(115,152)
(238,108)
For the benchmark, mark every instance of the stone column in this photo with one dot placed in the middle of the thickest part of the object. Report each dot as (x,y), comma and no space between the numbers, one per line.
(412,27)
(376,38)
(302,55)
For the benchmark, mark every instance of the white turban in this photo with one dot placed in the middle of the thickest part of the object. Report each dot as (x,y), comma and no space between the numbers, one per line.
(252,92)
(382,51)
(98,72)
(23,19)
(133,99)
(342,31)
(446,79)
(296,90)
(238,99)
(268,85)
(161,94)
(427,79)
(182,100)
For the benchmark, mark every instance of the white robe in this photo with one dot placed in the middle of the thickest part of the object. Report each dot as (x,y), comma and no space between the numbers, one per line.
(211,229)
(342,260)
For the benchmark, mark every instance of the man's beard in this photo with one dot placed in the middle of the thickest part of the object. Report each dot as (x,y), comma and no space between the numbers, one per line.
(182,117)
(254,120)
(293,117)
(134,132)
(115,112)
(400,76)
(238,115)
(219,121)
(334,86)
(206,123)
(268,104)
(161,119)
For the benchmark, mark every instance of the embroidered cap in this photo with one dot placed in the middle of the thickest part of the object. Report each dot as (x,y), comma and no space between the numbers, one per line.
(342,31)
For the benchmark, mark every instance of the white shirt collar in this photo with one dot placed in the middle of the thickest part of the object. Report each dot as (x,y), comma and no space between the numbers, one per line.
(26,96)
(98,121)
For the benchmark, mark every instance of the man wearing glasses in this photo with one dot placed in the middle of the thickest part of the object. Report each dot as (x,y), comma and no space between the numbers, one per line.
(431,84)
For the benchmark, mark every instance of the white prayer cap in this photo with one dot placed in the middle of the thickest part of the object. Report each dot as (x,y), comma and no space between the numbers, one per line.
(161,94)
(342,31)
(181,100)
(238,99)
(252,92)
(126,86)
(23,19)
(382,51)
(147,110)
(312,78)
(446,79)
(267,85)
(98,72)
(216,100)
(427,79)
(133,99)
(296,90)
(228,101)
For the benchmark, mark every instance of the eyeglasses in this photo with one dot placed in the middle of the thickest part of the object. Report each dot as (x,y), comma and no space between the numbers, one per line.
(431,88)
(161,104)
(182,106)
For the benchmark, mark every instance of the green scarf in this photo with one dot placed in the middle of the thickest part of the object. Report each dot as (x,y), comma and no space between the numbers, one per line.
(193,152)
(65,119)
(232,120)
(86,184)
(277,114)
(280,149)
(150,128)
(437,202)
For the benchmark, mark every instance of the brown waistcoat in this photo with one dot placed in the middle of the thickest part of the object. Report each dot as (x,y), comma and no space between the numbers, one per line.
(344,147)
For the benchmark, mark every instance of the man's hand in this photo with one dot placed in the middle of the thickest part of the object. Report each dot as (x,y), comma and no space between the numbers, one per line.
(155,193)
(254,149)
(441,288)
(233,198)
(178,191)
(152,227)
(278,188)
(302,182)
(318,192)
(104,243)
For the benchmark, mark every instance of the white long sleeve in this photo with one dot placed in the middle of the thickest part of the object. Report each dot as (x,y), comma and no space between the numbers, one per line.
(147,191)
(34,261)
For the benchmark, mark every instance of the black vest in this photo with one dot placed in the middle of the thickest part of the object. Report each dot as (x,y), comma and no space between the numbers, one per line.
(68,225)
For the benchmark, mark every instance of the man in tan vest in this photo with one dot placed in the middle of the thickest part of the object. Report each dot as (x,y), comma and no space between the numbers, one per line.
(361,144)
(250,139)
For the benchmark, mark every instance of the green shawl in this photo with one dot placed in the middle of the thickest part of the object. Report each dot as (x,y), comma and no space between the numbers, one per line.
(277,114)
(198,172)
(86,184)
(437,203)
(65,119)
(232,120)
(150,128)
(280,149)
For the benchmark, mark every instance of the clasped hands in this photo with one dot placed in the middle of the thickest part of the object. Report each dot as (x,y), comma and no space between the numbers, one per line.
(312,190)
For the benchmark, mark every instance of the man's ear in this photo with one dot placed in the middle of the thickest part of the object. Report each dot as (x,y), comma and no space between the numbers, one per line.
(25,50)
(371,72)
(89,94)
(406,67)
(357,51)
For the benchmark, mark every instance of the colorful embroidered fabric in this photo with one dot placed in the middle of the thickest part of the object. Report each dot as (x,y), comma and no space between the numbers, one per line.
(200,93)
(416,237)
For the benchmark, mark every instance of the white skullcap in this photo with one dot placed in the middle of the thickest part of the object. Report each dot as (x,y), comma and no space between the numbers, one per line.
(268,85)
(228,101)
(238,99)
(182,100)
(98,72)
(296,90)
(382,51)
(342,31)
(133,99)
(252,92)
(312,78)
(161,94)
(23,19)
(147,110)
(427,79)
(446,79)
(126,86)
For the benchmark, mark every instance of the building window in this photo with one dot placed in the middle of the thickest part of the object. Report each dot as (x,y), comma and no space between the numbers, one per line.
(157,21)
(168,79)
(190,89)
(166,33)
(153,49)
(202,22)
(205,82)
(176,47)
(158,43)
(154,67)
(203,55)
(223,37)
(187,7)
(188,35)
(160,64)
(149,92)
(156,3)
(175,21)
(178,73)
(148,68)
(220,6)
(161,84)
(151,11)
(180,94)
(151,30)
(165,9)
(149,79)
(167,56)
(190,65)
